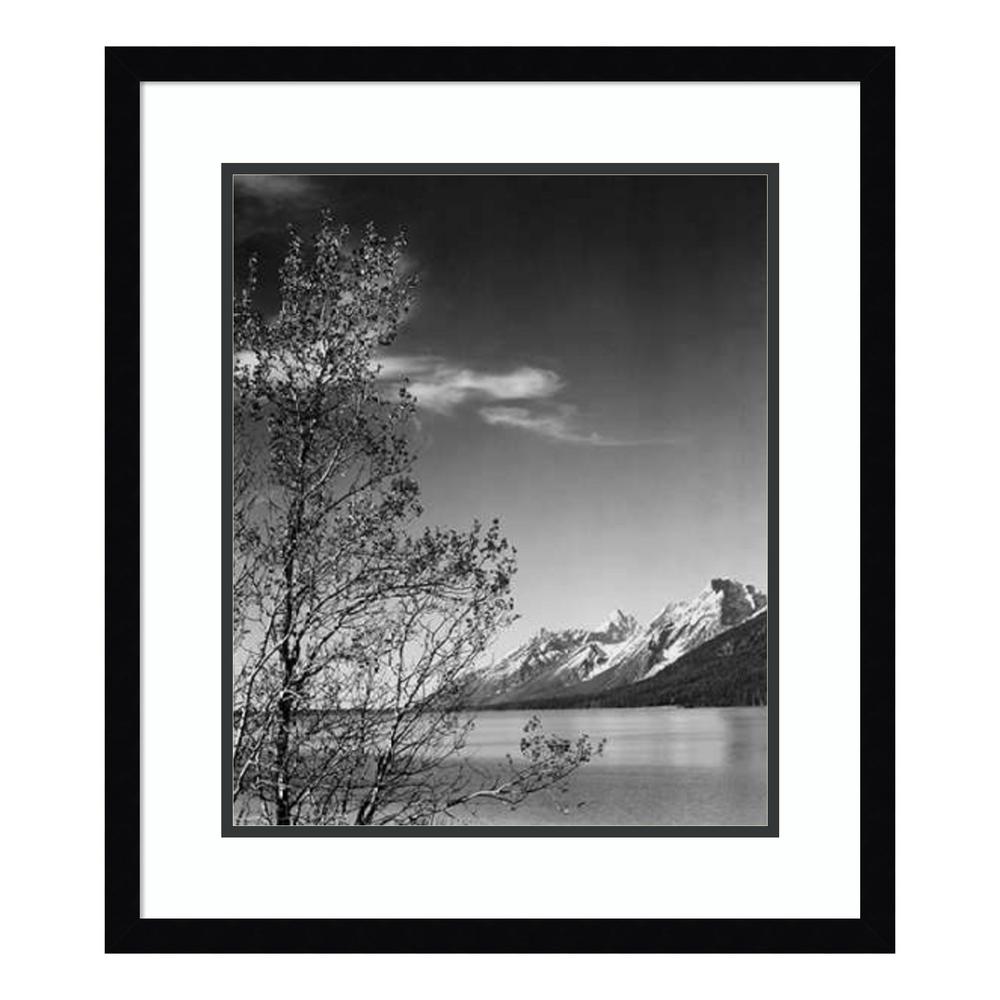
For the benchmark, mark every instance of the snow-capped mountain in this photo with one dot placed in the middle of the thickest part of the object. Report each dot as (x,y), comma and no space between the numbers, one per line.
(728,669)
(683,625)
(617,652)
(557,660)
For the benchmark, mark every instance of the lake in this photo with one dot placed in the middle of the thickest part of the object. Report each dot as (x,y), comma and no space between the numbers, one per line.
(661,766)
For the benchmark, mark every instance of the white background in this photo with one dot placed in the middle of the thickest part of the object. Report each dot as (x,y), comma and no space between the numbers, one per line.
(812,132)
(53,500)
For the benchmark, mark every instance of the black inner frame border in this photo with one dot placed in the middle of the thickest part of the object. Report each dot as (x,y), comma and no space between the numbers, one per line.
(125,70)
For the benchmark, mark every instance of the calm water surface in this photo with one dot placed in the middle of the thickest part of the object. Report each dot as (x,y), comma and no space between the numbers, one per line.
(663,766)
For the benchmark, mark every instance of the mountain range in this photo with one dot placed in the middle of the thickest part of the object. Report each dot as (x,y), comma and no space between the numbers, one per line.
(710,650)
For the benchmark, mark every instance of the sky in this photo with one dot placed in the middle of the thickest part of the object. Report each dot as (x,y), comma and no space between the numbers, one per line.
(589,360)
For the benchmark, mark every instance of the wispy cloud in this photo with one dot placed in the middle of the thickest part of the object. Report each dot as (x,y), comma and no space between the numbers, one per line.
(276,187)
(442,386)
(559,424)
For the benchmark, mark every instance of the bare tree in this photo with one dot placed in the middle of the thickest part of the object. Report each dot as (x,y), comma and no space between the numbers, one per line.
(354,632)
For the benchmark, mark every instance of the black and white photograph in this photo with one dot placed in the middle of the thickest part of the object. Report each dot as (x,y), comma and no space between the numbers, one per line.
(498,524)
(499,500)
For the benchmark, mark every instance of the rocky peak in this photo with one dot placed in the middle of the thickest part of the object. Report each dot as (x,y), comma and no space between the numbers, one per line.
(684,624)
(736,600)
(617,628)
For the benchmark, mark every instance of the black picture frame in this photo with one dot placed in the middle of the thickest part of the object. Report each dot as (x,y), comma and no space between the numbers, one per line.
(125,70)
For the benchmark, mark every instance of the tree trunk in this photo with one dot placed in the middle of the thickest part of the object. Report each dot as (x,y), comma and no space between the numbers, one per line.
(289,659)
(282,794)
